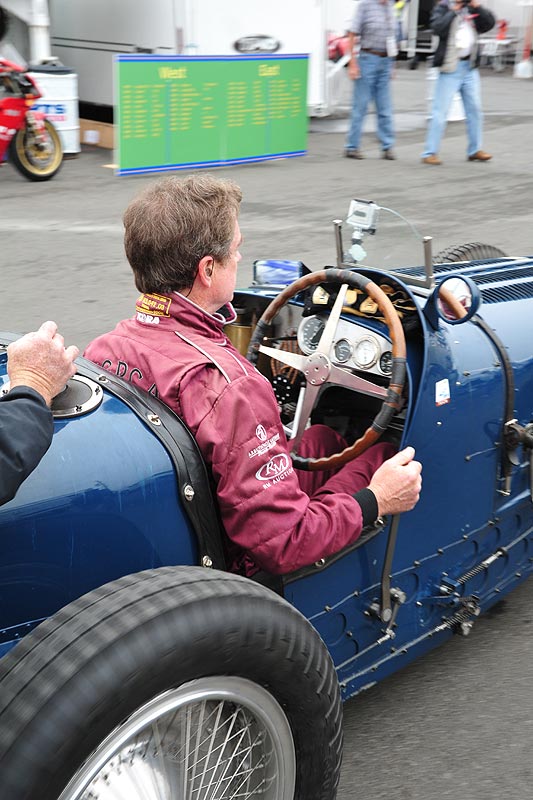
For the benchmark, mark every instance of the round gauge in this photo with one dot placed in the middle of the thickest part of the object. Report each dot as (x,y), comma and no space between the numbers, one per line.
(385,363)
(310,332)
(366,352)
(342,350)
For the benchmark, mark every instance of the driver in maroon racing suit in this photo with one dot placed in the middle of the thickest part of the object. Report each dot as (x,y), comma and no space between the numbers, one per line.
(182,240)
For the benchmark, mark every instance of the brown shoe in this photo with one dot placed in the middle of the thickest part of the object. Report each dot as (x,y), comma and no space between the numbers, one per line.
(388,155)
(480,156)
(432,159)
(354,154)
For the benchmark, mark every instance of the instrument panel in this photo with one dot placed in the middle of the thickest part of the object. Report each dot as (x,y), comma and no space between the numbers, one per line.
(354,347)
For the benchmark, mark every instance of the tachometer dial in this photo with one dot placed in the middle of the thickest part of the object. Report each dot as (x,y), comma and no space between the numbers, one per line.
(309,334)
(385,363)
(342,350)
(366,352)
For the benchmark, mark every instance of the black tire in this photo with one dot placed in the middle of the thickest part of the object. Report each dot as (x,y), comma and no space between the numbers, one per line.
(37,161)
(78,676)
(473,251)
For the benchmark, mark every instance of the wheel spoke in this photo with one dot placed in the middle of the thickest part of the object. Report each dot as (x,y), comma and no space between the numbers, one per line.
(222,749)
(326,340)
(342,377)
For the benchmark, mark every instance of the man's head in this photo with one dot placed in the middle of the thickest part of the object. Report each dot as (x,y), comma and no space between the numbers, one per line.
(176,224)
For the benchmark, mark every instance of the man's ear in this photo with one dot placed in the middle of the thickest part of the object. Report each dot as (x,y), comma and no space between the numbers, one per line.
(205,270)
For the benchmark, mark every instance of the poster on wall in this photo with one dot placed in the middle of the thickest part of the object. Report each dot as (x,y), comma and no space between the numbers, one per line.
(186,112)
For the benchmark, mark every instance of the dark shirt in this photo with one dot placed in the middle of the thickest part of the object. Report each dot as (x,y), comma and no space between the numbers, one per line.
(26,428)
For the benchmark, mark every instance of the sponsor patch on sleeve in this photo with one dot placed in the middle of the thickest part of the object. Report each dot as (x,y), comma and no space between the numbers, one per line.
(275,470)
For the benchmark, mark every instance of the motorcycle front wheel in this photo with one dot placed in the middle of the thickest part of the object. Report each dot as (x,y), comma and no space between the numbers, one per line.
(37,157)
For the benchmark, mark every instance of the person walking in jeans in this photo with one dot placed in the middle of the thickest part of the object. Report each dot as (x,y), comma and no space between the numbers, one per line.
(457,24)
(372,33)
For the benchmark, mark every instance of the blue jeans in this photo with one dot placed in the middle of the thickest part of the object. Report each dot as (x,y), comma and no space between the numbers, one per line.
(373,84)
(466,81)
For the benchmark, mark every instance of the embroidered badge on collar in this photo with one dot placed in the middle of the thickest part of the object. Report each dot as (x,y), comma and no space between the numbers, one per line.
(154,304)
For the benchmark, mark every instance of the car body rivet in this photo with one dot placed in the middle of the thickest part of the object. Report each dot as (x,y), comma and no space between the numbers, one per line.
(206,561)
(154,419)
(188,492)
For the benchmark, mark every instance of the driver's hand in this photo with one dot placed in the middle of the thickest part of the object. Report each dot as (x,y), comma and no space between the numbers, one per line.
(41,361)
(397,483)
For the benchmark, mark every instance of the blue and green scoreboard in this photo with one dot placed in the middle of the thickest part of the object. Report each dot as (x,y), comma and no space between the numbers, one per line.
(185,112)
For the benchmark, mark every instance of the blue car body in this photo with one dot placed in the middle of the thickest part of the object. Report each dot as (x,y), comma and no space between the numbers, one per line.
(123,488)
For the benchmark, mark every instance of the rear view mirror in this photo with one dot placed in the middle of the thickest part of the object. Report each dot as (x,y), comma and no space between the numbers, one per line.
(455,300)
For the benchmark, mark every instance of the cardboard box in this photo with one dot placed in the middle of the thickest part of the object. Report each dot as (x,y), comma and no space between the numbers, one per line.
(100,134)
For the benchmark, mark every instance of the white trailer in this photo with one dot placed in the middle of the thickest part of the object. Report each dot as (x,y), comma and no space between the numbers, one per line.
(86,35)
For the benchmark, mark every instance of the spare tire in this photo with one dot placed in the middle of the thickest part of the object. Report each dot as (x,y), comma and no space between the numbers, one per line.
(473,251)
(174,682)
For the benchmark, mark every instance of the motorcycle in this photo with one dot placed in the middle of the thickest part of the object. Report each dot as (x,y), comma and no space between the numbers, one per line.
(31,140)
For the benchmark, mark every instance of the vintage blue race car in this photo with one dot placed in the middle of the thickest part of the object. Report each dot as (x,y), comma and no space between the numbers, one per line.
(136,667)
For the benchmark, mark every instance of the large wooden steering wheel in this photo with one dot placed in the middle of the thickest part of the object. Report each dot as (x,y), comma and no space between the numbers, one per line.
(319,371)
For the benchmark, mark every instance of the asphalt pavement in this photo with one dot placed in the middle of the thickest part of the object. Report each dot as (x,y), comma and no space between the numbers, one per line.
(458,723)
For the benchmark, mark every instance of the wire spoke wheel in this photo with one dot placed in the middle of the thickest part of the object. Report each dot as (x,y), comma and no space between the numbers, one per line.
(178,683)
(212,739)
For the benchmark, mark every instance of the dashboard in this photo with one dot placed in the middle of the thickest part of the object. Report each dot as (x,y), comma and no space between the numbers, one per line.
(354,346)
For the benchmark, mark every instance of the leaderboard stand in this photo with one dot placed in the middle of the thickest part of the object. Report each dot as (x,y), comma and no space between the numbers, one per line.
(186,112)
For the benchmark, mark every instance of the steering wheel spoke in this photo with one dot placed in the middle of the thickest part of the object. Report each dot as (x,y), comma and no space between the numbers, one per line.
(326,340)
(284,356)
(342,377)
(304,407)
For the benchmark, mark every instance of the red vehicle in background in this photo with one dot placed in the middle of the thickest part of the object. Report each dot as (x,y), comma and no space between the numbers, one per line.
(30,140)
